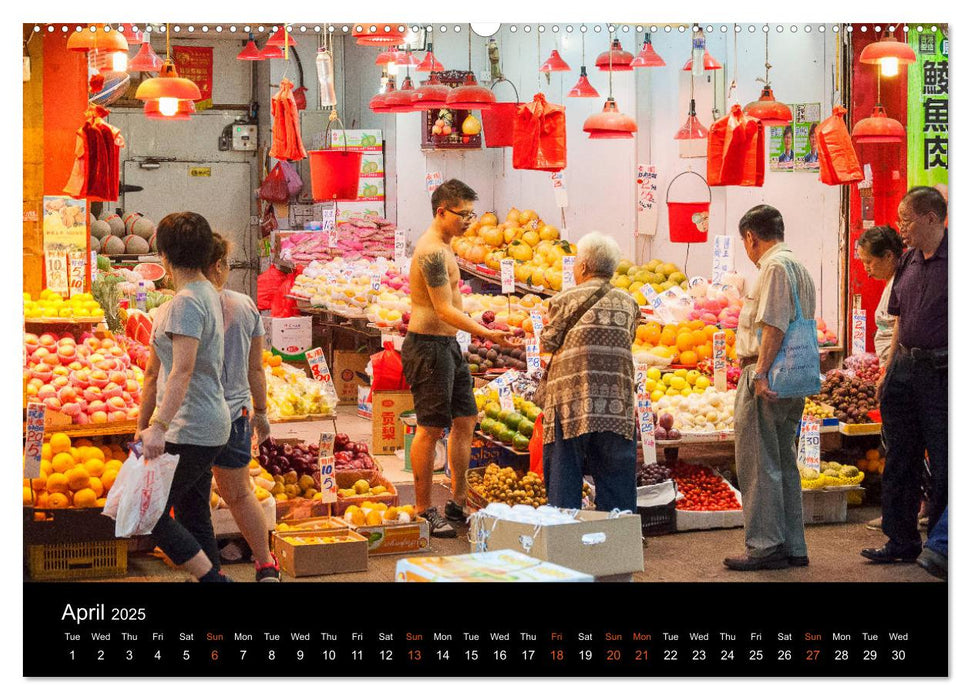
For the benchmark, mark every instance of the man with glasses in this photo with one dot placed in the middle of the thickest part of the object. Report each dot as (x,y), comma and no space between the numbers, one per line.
(434,367)
(913,392)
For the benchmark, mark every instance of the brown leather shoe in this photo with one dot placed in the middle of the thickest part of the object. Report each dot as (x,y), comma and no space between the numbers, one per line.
(747,563)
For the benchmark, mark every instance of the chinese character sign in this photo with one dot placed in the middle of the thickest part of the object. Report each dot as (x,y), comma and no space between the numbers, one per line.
(723,258)
(65,232)
(36,414)
(647,203)
(195,63)
(928,119)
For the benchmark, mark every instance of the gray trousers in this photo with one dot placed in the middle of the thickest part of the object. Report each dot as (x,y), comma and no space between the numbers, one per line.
(765,459)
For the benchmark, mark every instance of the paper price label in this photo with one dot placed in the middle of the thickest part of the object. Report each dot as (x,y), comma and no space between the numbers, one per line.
(569,280)
(647,199)
(375,283)
(505,398)
(330,277)
(859,331)
(399,248)
(94,265)
(36,415)
(325,462)
(559,191)
(811,437)
(507,270)
(532,356)
(318,366)
(719,364)
(645,418)
(464,338)
(696,281)
(640,379)
(77,271)
(432,181)
(328,224)
(723,257)
(537,318)
(56,264)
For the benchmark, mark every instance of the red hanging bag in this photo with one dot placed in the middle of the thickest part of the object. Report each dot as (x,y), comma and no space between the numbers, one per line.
(736,150)
(539,136)
(274,187)
(838,164)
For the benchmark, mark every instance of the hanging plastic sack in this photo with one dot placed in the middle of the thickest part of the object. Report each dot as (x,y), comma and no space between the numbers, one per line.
(140,493)
(267,285)
(300,97)
(274,186)
(389,373)
(536,448)
(283,306)
(838,164)
(294,183)
(268,222)
(736,150)
(539,136)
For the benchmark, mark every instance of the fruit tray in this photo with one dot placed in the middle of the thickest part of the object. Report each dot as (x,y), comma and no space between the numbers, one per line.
(77,560)
(304,419)
(492,441)
(346,479)
(860,428)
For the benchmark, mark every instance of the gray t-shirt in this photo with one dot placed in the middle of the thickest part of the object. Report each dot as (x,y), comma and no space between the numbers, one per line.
(241,323)
(203,418)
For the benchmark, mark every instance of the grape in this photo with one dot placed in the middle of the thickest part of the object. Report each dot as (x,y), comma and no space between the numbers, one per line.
(650,474)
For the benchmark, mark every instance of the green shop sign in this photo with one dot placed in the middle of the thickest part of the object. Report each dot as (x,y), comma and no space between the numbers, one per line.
(927,108)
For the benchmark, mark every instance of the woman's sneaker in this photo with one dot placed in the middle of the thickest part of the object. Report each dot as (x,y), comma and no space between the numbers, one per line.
(268,573)
(437,525)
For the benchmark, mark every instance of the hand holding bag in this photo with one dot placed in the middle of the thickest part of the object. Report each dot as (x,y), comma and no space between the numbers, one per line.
(795,371)
(138,497)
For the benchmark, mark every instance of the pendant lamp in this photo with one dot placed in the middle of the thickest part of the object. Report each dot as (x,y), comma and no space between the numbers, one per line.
(583,88)
(888,53)
(615,59)
(767,109)
(878,128)
(272,52)
(406,59)
(384,58)
(709,61)
(611,123)
(185,109)
(250,52)
(430,63)
(281,37)
(554,63)
(692,128)
(168,89)
(145,61)
(648,57)
(377,103)
(377,34)
(133,36)
(470,95)
(401,100)
(110,46)
(431,95)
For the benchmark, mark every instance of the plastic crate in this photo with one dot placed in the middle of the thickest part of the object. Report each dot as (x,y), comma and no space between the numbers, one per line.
(77,560)
(658,520)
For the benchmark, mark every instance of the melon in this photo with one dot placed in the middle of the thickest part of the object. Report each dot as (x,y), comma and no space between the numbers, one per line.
(129,220)
(91,218)
(112,245)
(150,272)
(143,227)
(95,244)
(100,229)
(116,224)
(135,245)
(152,245)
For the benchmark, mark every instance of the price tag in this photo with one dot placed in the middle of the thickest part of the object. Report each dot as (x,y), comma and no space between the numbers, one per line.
(811,437)
(640,379)
(859,331)
(36,415)
(464,338)
(318,367)
(330,277)
(376,282)
(94,265)
(647,202)
(645,417)
(505,398)
(77,264)
(56,264)
(507,269)
(559,190)
(537,317)
(569,280)
(723,257)
(325,462)
(432,181)
(719,365)
(399,248)
(328,224)
(532,356)
(696,281)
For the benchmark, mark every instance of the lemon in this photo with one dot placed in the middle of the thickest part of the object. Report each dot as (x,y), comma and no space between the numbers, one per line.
(654,373)
(678,383)
(702,382)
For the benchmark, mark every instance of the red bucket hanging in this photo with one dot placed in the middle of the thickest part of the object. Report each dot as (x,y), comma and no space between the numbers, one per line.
(497,123)
(335,172)
(688,221)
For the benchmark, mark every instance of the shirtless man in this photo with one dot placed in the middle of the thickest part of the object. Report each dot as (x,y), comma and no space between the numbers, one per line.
(433,363)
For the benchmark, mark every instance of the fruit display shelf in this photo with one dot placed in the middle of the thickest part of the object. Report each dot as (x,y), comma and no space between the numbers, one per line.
(489,275)
(64,321)
(122,427)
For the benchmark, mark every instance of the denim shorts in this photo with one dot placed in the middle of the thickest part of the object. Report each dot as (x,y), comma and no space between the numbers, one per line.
(439,378)
(238,452)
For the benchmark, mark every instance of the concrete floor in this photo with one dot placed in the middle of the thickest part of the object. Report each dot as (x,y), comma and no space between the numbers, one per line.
(678,557)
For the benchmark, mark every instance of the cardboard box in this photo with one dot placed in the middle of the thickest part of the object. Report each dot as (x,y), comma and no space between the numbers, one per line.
(224,525)
(291,337)
(372,165)
(325,522)
(364,407)
(345,371)
(502,566)
(308,559)
(389,431)
(596,544)
(345,210)
(300,509)
(399,538)
(358,139)
(370,190)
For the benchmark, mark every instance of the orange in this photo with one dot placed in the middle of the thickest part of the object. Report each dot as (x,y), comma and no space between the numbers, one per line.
(83,442)
(95,467)
(642,333)
(710,331)
(62,462)
(28,496)
(45,467)
(275,361)
(78,478)
(58,500)
(685,341)
(700,337)
(113,465)
(41,500)
(75,455)
(96,486)
(689,358)
(39,483)
(729,336)
(696,325)
(670,327)
(108,478)
(57,483)
(46,452)
(730,352)
(653,332)
(100,503)
(704,352)
(668,337)
(96,453)
(60,443)
(873,454)
(85,498)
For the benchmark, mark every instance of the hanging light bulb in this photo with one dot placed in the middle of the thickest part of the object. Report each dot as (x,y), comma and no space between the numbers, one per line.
(430,63)
(767,109)
(146,60)
(583,88)
(105,49)
(168,106)
(888,53)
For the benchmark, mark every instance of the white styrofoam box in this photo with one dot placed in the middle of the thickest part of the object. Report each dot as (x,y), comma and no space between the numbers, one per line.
(711,519)
(825,506)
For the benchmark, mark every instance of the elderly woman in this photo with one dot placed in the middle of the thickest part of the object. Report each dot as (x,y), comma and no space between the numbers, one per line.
(880,249)
(588,404)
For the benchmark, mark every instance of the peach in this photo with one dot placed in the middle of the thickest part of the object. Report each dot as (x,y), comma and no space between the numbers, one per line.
(75,366)
(82,418)
(81,378)
(35,382)
(131,386)
(95,406)
(31,346)
(42,372)
(96,357)
(67,394)
(52,404)
(47,340)
(133,413)
(92,343)
(118,415)
(39,354)
(32,390)
(111,389)
(117,352)
(71,409)
(116,402)
(99,378)
(106,365)
(92,393)
(46,392)
(107,343)
(31,339)
(61,371)
(66,340)
(127,398)
(99,417)
(67,352)
(117,377)
(60,382)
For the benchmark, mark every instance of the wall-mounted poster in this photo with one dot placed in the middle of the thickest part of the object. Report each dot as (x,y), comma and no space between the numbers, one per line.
(792,147)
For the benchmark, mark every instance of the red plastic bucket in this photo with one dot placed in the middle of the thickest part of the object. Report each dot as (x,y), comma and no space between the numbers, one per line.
(334,174)
(497,124)
(688,221)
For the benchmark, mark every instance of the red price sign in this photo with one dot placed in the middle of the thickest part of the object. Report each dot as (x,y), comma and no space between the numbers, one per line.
(325,462)
(36,415)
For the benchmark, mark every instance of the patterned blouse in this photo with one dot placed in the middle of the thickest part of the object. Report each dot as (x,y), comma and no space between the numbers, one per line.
(590,383)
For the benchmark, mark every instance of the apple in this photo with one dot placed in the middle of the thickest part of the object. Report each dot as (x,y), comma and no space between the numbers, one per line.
(47,340)
(127,398)
(46,392)
(111,389)
(67,394)
(52,404)
(35,382)
(107,365)
(99,417)
(71,409)
(96,357)
(666,421)
(81,378)
(117,352)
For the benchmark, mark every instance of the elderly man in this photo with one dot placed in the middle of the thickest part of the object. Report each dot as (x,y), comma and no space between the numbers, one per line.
(588,407)
(766,425)
(913,392)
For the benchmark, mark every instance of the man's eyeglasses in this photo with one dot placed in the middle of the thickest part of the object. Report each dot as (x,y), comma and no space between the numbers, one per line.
(466,215)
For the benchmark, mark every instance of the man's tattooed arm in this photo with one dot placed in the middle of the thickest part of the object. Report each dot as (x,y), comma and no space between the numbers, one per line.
(434,268)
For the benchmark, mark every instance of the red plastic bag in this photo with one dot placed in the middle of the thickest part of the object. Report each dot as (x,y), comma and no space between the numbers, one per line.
(838,164)
(274,187)
(388,371)
(266,287)
(736,150)
(300,97)
(536,448)
(294,183)
(539,136)
(282,305)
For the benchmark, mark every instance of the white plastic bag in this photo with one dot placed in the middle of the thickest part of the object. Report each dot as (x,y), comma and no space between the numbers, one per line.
(137,499)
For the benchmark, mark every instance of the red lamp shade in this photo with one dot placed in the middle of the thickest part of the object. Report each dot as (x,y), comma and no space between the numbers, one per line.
(710,63)
(554,63)
(146,60)
(616,58)
(133,36)
(431,95)
(692,128)
(768,110)
(384,58)
(430,63)
(250,52)
(879,128)
(377,34)
(648,57)
(403,99)
(280,38)
(168,85)
(610,123)
(406,59)
(378,103)
(99,40)
(185,110)
(583,88)
(272,52)
(470,95)
(888,53)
